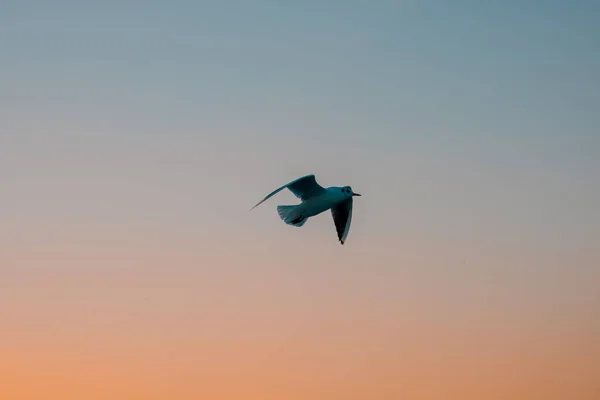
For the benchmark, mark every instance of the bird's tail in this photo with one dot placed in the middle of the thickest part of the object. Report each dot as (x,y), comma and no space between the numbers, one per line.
(291,215)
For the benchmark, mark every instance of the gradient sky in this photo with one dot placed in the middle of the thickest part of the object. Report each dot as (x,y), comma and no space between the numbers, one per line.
(135,136)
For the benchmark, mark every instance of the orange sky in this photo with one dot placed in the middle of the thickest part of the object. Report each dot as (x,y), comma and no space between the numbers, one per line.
(86,320)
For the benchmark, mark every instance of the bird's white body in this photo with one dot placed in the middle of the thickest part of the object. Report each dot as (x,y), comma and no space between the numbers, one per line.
(316,199)
(316,205)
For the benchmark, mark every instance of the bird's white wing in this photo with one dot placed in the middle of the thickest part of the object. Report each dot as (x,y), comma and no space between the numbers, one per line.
(342,218)
(303,188)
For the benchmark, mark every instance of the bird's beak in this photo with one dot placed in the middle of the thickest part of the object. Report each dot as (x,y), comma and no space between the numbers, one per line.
(356,194)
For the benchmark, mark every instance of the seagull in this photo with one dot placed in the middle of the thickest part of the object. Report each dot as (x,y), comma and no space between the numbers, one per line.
(316,199)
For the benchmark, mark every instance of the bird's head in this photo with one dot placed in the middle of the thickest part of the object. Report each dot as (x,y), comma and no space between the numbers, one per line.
(347,190)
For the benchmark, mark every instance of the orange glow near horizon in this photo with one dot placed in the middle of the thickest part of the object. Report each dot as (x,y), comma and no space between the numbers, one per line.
(73,330)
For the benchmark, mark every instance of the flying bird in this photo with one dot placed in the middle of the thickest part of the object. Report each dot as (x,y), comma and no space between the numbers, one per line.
(316,199)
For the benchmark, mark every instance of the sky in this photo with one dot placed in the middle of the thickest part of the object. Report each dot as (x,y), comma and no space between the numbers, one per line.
(135,137)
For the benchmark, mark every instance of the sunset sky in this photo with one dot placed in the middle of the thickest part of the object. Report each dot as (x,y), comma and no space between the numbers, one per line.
(135,137)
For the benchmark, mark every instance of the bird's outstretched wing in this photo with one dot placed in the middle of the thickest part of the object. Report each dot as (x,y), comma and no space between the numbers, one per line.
(342,218)
(303,188)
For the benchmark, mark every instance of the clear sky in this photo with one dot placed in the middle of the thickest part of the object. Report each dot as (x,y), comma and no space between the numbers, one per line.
(135,136)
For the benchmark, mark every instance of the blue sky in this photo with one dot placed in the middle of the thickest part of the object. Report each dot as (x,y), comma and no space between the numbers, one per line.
(468,117)
(392,66)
